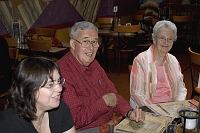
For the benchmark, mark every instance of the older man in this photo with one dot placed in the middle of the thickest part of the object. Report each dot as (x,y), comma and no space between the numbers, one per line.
(91,96)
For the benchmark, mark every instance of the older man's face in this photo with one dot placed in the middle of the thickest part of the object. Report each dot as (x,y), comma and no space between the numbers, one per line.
(84,55)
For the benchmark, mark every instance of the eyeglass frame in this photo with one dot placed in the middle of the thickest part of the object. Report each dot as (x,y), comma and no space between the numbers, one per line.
(90,42)
(163,39)
(59,82)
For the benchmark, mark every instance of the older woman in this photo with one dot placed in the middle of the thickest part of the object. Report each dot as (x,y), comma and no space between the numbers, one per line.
(34,104)
(156,74)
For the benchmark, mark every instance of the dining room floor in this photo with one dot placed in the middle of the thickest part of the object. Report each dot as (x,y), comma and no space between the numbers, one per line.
(121,82)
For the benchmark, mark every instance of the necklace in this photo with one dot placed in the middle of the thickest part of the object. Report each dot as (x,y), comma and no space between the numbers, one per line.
(39,122)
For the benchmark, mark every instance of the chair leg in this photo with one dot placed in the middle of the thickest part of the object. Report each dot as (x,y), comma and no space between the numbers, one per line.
(194,93)
(119,62)
(114,60)
(131,56)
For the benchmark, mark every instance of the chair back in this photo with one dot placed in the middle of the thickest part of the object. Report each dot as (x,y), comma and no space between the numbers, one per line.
(182,24)
(45,32)
(137,18)
(181,19)
(41,45)
(129,68)
(167,12)
(13,52)
(128,29)
(127,37)
(194,57)
(105,22)
(12,42)
(154,21)
(194,69)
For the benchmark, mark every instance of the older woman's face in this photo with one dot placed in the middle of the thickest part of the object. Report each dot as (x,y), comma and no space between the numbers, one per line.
(49,97)
(84,55)
(164,40)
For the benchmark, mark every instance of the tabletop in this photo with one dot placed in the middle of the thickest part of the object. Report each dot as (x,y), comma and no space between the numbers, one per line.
(154,122)
(56,52)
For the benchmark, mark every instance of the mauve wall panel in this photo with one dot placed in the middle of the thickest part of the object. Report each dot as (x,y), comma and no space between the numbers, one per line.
(57,12)
(2,29)
(61,12)
(105,8)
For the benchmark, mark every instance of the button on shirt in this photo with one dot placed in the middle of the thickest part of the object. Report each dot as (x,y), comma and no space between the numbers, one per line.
(83,91)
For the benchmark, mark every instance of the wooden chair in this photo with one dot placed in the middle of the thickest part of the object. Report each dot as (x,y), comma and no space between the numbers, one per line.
(129,68)
(105,22)
(194,27)
(182,24)
(14,53)
(40,47)
(45,33)
(144,36)
(126,42)
(137,18)
(194,69)
(154,21)
(167,13)
(12,42)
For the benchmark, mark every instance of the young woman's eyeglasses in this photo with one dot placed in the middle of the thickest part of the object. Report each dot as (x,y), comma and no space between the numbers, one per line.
(163,39)
(86,43)
(52,84)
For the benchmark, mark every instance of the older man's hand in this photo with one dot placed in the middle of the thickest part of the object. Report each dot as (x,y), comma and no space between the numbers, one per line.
(137,115)
(110,99)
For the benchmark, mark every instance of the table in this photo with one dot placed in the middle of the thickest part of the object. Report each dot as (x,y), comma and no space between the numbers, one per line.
(55,52)
(153,123)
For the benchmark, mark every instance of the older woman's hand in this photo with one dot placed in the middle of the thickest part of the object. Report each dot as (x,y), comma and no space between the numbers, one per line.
(137,115)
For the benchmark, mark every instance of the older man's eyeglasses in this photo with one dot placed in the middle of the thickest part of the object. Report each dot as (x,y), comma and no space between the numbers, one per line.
(86,43)
(52,84)
(163,39)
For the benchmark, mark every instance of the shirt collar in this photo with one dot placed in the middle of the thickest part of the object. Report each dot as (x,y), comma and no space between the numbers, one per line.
(88,70)
(152,55)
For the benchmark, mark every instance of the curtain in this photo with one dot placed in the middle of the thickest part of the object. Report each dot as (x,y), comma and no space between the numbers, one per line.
(24,11)
(86,8)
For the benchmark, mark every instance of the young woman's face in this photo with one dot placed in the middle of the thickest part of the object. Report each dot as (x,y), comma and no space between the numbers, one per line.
(48,97)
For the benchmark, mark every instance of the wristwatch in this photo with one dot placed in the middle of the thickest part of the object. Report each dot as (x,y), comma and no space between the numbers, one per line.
(128,113)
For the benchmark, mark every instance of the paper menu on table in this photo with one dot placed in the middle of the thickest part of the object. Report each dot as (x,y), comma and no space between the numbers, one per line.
(171,107)
(151,124)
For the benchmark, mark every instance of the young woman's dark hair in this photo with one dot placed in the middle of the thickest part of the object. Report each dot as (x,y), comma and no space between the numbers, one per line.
(31,74)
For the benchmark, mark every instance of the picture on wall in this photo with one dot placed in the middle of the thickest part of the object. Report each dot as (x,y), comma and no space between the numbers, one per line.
(16,30)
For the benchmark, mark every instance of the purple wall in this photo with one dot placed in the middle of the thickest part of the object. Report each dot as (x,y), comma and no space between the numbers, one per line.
(2,29)
(126,7)
(61,12)
(57,12)
(105,8)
